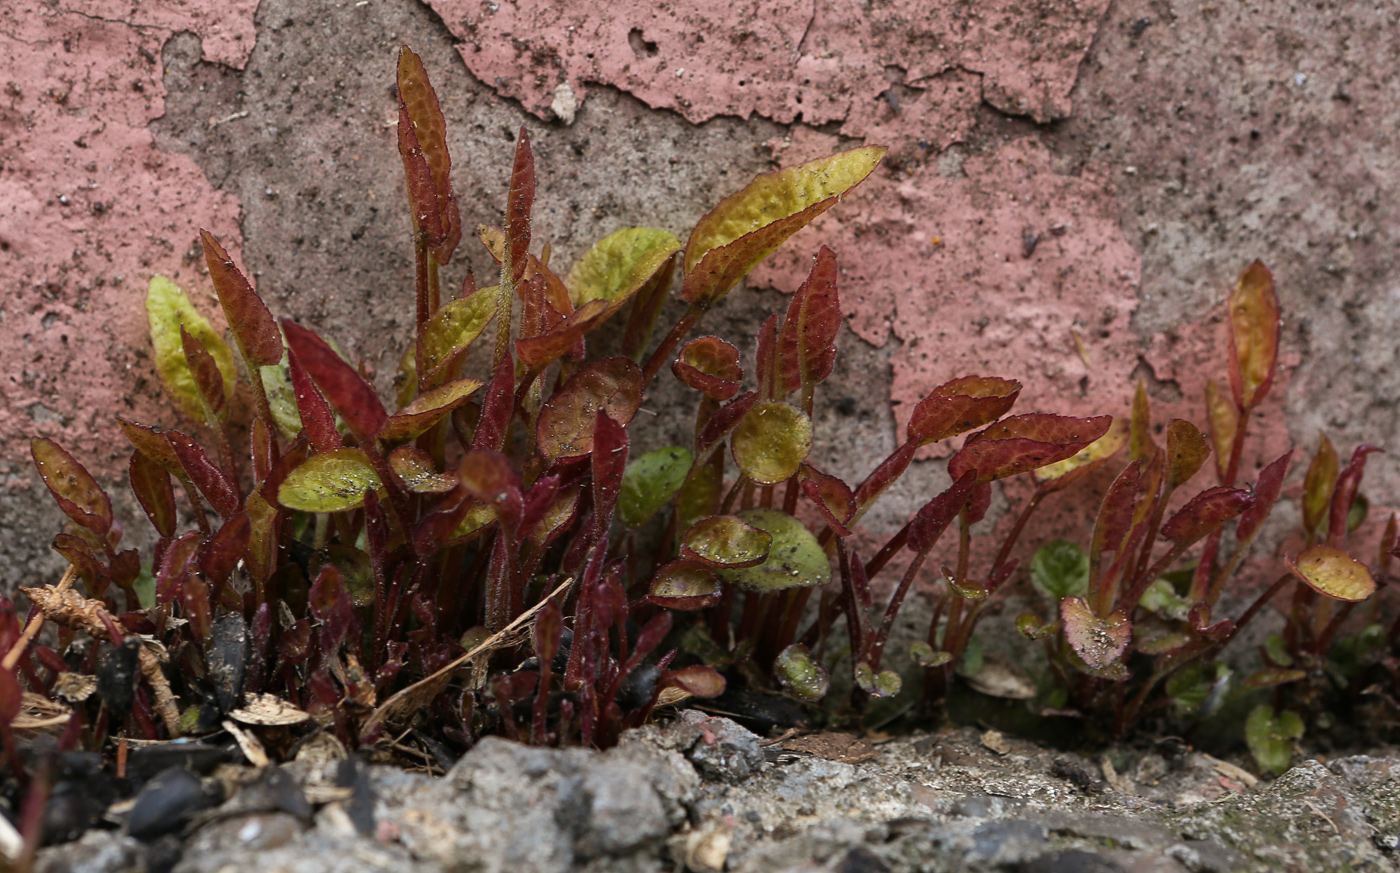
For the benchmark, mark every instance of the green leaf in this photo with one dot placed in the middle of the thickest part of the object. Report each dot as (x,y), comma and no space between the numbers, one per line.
(329,482)
(684,585)
(451,331)
(726,541)
(1188,688)
(924,655)
(167,308)
(1333,573)
(885,684)
(649,481)
(1276,647)
(1270,736)
(795,558)
(771,442)
(802,676)
(1060,569)
(1161,598)
(619,264)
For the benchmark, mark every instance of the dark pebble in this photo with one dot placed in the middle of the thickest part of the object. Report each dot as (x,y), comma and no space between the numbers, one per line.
(167,803)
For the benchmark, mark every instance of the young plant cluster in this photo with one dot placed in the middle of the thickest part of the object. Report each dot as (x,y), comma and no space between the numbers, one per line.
(487,557)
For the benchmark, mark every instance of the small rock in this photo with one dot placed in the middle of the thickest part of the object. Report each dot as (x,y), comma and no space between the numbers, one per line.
(724,751)
(95,852)
(167,803)
(1072,861)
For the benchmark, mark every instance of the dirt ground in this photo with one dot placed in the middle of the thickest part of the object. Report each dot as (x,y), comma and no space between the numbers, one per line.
(1096,167)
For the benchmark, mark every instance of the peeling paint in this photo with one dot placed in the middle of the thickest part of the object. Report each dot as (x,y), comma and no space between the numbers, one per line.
(90,209)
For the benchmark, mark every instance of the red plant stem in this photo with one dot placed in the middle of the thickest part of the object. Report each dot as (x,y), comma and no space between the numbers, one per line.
(876,647)
(1015,533)
(734,491)
(765,499)
(794,602)
(420,274)
(755,610)
(672,339)
(1248,615)
(855,627)
(721,631)
(887,551)
(1200,583)
(434,285)
(1329,633)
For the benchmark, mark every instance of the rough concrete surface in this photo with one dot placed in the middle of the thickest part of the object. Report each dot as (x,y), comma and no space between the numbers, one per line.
(1101,168)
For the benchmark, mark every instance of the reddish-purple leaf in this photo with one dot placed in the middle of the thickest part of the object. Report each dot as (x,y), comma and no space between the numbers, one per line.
(151,443)
(419,99)
(72,487)
(566,420)
(208,378)
(711,365)
(929,523)
(520,199)
(151,485)
(832,496)
(609,461)
(1266,491)
(726,541)
(496,408)
(1254,334)
(684,585)
(979,502)
(79,553)
(220,555)
(173,565)
(422,191)
(961,405)
(317,418)
(353,397)
(1116,513)
(1025,442)
(538,352)
(491,477)
(248,317)
(221,492)
(883,476)
(1344,495)
(1205,513)
(808,342)
(1098,641)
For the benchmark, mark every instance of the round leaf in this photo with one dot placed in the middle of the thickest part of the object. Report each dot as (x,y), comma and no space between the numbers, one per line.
(329,482)
(649,481)
(726,541)
(565,428)
(684,585)
(1060,569)
(802,676)
(771,442)
(1333,573)
(795,558)
(619,264)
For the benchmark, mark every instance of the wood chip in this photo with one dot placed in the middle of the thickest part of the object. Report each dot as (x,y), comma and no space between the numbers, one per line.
(249,744)
(1232,771)
(268,710)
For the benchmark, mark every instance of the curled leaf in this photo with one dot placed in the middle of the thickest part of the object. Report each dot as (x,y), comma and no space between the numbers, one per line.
(808,341)
(960,406)
(832,496)
(1023,443)
(167,311)
(1101,642)
(619,265)
(1266,492)
(801,674)
(1318,485)
(924,655)
(711,365)
(565,426)
(771,442)
(1333,573)
(329,482)
(726,541)
(427,410)
(248,317)
(415,470)
(731,239)
(684,585)
(794,559)
(1205,513)
(1061,474)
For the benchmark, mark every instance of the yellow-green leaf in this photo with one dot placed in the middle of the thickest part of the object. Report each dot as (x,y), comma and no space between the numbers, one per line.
(329,482)
(795,557)
(1254,333)
(427,410)
(619,265)
(746,226)
(1224,419)
(452,330)
(167,308)
(1099,450)
(1333,573)
(771,442)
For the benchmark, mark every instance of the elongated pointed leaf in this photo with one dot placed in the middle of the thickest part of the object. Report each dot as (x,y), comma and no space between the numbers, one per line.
(151,443)
(1344,497)
(746,226)
(960,406)
(608,462)
(451,331)
(422,190)
(794,559)
(167,310)
(723,422)
(1140,442)
(427,410)
(1254,335)
(1224,419)
(496,408)
(329,482)
(883,476)
(771,442)
(208,380)
(220,555)
(151,484)
(315,414)
(1319,484)
(1116,513)
(1099,641)
(619,265)
(808,341)
(282,397)
(248,317)
(520,199)
(1266,492)
(538,352)
(72,487)
(1187,451)
(1024,442)
(565,428)
(221,491)
(710,365)
(78,552)
(1062,474)
(354,398)
(832,496)
(650,481)
(933,518)
(726,541)
(1205,513)
(419,103)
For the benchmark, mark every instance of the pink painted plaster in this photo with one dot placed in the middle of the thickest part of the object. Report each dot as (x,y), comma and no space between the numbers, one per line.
(903,69)
(90,208)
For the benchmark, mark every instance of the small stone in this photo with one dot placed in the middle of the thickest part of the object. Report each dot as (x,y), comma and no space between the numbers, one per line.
(725,751)
(167,803)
